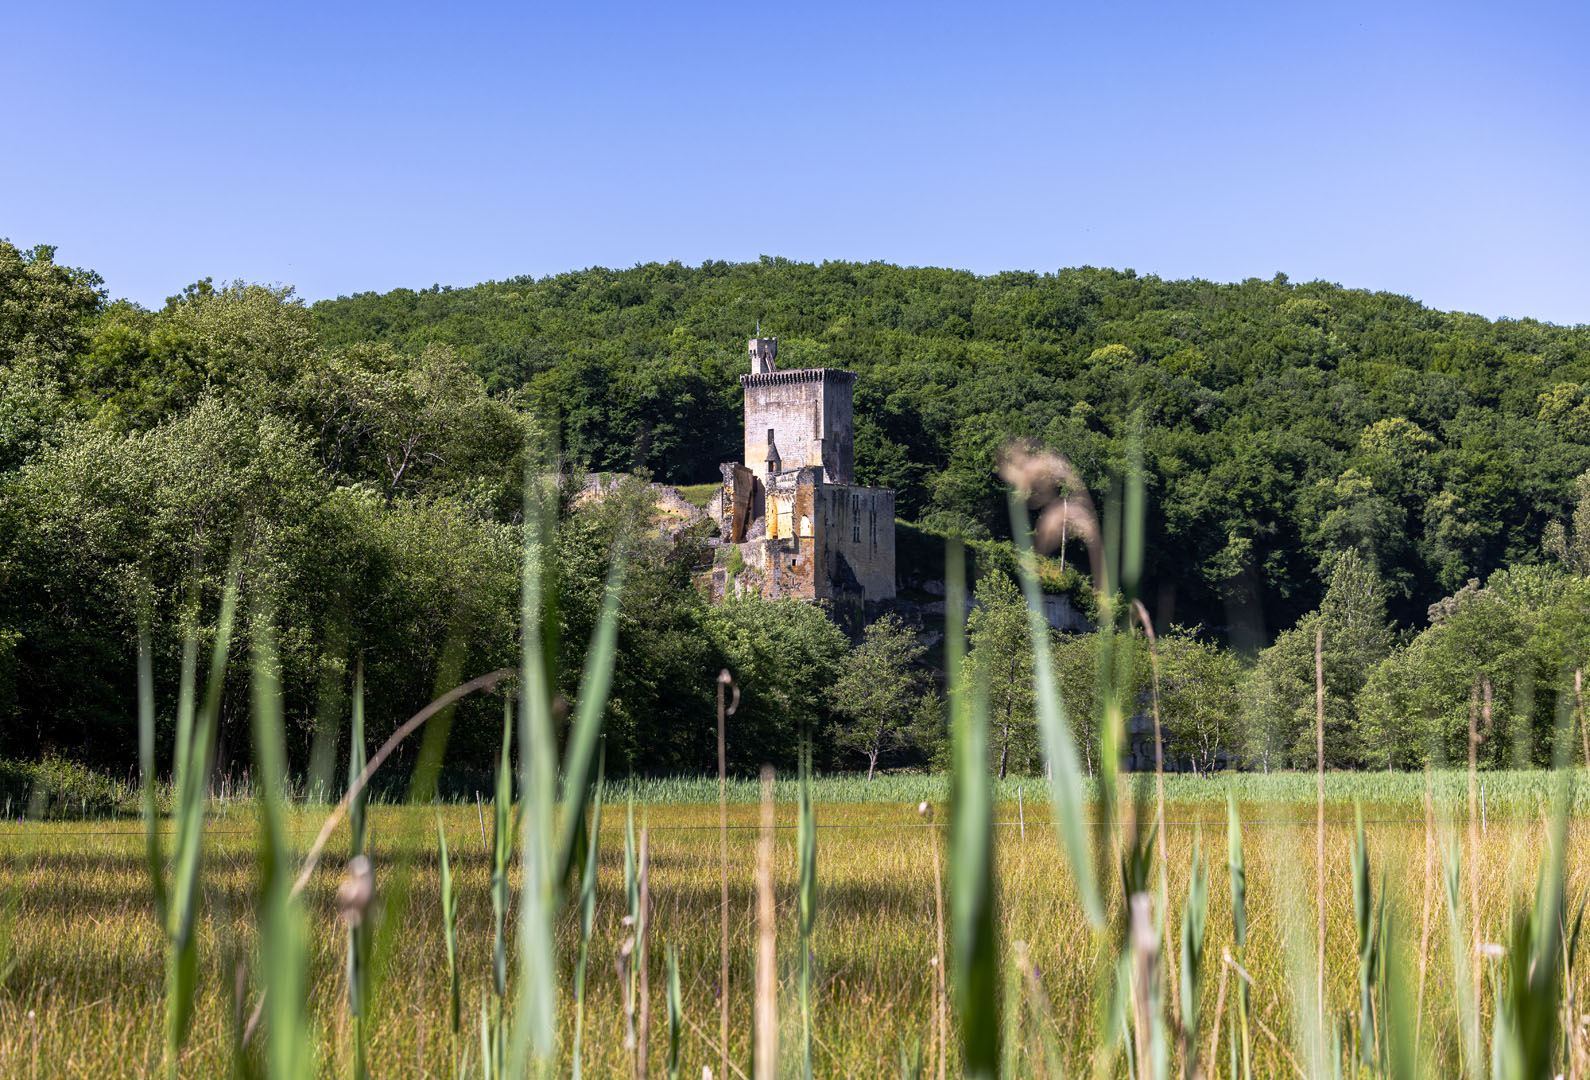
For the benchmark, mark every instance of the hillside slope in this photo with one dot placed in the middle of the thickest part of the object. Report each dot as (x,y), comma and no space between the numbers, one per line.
(1280,421)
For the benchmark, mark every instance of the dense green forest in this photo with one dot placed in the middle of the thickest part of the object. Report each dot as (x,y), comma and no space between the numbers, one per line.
(1280,422)
(1314,457)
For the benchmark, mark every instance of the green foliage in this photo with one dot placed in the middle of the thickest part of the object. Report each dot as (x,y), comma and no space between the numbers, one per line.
(44,307)
(881,690)
(785,655)
(1199,700)
(1280,696)
(1523,632)
(1282,421)
(1000,660)
(57,787)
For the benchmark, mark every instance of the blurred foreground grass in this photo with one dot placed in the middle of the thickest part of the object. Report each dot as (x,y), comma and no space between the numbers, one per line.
(82,996)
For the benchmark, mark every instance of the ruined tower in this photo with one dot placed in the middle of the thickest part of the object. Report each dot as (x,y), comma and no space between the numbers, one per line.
(790,510)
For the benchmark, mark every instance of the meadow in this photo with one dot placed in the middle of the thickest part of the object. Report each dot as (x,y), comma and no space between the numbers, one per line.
(83,960)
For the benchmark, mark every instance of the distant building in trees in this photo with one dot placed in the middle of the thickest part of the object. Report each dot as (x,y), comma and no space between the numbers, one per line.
(792,520)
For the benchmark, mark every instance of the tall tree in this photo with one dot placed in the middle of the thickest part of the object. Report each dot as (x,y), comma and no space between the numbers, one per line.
(1280,694)
(999,661)
(880,690)
(1198,699)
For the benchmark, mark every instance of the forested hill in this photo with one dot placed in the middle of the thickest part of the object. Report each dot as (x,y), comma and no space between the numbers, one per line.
(1281,422)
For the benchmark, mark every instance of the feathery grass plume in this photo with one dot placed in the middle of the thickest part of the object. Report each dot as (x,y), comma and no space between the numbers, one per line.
(587,917)
(973,937)
(177,902)
(284,952)
(765,1059)
(449,897)
(1065,771)
(676,1014)
(806,855)
(1239,930)
(1194,921)
(359,930)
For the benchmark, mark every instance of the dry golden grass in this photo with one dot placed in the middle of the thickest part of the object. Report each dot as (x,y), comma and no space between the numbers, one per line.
(84,995)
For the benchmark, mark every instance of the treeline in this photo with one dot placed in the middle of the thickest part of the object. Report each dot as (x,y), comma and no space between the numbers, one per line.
(1502,661)
(1314,457)
(369,506)
(1280,422)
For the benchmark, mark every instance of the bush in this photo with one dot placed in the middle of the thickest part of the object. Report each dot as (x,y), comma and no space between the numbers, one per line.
(57,788)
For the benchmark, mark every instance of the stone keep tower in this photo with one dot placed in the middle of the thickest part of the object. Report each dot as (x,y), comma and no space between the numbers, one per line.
(791,511)
(797,419)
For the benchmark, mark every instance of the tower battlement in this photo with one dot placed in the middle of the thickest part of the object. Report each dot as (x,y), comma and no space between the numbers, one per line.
(807,415)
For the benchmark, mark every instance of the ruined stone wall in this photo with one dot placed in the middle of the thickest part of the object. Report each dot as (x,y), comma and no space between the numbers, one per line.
(855,541)
(809,412)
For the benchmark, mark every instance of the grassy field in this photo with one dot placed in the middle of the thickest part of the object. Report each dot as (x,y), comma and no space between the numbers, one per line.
(82,959)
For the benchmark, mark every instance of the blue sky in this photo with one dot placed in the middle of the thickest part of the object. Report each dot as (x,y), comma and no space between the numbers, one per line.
(1436,150)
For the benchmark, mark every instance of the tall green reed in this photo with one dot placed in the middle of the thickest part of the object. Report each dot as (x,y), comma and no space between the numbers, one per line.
(177,900)
(806,856)
(974,942)
(284,941)
(587,922)
(360,928)
(448,891)
(548,852)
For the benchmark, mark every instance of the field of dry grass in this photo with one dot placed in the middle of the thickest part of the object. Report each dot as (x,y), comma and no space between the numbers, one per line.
(83,964)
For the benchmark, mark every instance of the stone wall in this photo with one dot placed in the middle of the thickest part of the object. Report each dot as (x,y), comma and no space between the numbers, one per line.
(809,413)
(855,540)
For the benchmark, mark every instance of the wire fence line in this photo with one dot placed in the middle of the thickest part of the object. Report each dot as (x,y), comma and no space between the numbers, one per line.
(1212,823)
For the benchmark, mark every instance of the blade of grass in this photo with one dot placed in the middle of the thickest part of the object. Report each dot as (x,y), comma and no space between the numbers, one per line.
(289,1051)
(1065,771)
(974,942)
(359,930)
(766,1025)
(587,919)
(449,897)
(806,855)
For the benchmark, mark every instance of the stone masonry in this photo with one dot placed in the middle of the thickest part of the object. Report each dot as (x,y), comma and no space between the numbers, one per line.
(792,521)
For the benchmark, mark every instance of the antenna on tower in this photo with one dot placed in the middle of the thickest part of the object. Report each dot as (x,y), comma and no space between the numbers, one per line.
(759,327)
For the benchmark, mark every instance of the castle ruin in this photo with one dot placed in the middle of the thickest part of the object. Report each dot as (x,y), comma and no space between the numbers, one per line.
(792,520)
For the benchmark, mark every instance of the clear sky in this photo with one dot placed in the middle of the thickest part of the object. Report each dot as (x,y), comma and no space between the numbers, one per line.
(1438,150)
